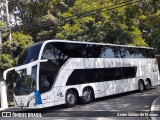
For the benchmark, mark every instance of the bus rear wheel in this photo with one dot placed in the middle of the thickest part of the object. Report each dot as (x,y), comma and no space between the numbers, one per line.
(71,98)
(87,96)
(140,86)
(148,84)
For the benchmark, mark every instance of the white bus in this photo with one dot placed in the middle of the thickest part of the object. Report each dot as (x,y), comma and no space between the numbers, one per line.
(56,72)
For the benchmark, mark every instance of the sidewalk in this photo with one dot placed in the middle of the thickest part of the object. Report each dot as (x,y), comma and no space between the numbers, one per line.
(155,107)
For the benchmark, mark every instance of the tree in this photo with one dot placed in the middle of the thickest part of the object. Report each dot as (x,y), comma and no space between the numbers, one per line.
(10,52)
(149,23)
(37,17)
(92,21)
(10,55)
(118,22)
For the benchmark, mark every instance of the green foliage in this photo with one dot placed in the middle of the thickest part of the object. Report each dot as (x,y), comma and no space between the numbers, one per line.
(86,20)
(11,51)
(5,62)
(36,16)
(117,26)
(2,25)
(69,32)
(18,44)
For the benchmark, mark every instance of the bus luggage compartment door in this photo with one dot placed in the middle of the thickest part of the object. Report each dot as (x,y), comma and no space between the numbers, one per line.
(47,99)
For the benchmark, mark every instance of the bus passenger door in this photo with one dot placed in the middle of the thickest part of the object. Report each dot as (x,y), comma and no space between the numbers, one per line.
(45,89)
(47,75)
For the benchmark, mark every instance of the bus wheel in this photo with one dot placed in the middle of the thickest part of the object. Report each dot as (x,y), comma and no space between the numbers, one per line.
(140,86)
(71,98)
(87,96)
(148,84)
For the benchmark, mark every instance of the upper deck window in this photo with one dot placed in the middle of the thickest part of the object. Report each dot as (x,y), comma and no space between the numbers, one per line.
(51,52)
(61,51)
(131,52)
(110,52)
(30,54)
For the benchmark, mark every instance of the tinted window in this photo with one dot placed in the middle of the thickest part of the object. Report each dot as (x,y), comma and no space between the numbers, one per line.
(47,75)
(61,51)
(127,52)
(128,72)
(51,52)
(79,50)
(82,76)
(142,53)
(110,52)
(30,54)
(107,74)
(150,53)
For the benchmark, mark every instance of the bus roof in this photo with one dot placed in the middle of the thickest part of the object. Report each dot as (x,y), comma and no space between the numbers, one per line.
(82,42)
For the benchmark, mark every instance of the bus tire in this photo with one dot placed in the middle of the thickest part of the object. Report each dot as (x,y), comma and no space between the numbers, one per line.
(148,84)
(141,85)
(71,98)
(87,96)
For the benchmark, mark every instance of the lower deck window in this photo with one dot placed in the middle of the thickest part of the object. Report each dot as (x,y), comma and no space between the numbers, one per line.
(82,76)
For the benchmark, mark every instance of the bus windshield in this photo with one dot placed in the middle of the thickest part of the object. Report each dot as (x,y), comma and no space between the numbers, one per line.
(25,84)
(30,54)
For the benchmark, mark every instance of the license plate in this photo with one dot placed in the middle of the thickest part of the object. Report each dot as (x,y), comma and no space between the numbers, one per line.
(21,104)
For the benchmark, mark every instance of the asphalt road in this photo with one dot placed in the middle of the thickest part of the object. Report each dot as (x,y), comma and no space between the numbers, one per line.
(110,106)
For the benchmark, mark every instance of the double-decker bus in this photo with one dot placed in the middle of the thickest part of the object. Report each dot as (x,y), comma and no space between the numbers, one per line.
(56,72)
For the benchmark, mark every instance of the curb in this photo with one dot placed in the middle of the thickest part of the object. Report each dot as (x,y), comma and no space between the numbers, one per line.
(153,108)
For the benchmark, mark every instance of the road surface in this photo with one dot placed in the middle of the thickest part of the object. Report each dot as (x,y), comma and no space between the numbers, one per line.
(130,101)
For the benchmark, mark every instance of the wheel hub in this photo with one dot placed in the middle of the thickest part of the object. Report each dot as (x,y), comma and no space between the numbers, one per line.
(70,98)
(87,95)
